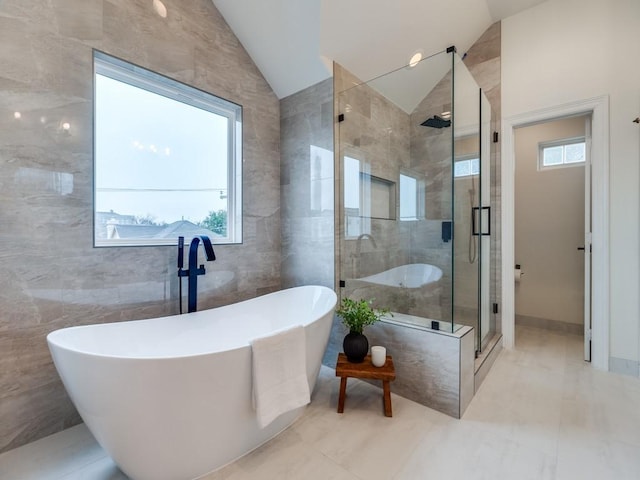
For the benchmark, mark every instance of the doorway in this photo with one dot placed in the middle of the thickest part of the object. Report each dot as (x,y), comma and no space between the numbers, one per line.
(598,107)
(552,226)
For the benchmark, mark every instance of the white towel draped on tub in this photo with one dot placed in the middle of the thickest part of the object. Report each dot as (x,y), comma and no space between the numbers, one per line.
(279,374)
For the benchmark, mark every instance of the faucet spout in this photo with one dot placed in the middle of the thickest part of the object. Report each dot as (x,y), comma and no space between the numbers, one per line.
(194,271)
(208,248)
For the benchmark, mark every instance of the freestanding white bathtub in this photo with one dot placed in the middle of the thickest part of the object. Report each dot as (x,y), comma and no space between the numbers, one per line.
(170,398)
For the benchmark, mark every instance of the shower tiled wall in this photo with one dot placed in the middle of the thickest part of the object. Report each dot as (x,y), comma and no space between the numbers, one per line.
(306,186)
(484,62)
(50,274)
(376,133)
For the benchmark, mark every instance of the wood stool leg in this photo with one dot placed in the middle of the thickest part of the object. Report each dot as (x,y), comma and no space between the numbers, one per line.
(387,398)
(343,390)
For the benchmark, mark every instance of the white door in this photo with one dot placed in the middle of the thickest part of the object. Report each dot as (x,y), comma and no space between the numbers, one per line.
(587,242)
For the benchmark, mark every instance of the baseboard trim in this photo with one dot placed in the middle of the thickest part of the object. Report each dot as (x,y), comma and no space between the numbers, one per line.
(486,361)
(624,366)
(547,324)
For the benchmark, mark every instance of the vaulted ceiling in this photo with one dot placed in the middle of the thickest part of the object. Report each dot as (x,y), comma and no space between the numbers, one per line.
(293,42)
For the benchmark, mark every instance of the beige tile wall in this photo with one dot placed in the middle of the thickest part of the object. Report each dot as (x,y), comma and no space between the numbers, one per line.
(484,62)
(306,186)
(50,274)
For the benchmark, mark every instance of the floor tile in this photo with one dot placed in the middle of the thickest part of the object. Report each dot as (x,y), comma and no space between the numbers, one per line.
(541,413)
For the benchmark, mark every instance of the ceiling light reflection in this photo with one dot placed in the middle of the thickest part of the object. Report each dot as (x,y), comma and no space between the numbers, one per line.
(159,8)
(415,59)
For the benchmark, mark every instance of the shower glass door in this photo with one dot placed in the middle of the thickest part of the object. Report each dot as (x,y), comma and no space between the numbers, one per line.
(466,196)
(412,193)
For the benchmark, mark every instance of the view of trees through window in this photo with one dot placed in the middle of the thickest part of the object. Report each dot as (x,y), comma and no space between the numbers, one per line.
(216,222)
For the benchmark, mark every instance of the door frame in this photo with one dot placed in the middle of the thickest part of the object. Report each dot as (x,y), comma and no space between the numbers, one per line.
(598,108)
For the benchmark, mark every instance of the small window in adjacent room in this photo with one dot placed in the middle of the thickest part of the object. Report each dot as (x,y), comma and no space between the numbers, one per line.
(561,153)
(167,159)
(466,167)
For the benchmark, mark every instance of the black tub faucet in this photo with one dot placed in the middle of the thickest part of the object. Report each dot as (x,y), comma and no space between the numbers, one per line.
(193,271)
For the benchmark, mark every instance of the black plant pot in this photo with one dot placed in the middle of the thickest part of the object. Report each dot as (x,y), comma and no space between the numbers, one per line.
(355,346)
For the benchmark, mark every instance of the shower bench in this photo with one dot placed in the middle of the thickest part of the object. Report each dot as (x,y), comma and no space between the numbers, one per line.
(366,370)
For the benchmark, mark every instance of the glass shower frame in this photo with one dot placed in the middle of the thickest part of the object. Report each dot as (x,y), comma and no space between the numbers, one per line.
(398,196)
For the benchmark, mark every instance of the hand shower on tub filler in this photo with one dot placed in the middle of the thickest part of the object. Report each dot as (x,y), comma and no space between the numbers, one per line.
(193,271)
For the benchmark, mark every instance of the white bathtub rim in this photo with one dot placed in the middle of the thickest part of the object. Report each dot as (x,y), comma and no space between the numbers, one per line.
(51,337)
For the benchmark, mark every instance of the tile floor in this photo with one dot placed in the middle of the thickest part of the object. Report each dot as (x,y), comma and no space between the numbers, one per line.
(542,413)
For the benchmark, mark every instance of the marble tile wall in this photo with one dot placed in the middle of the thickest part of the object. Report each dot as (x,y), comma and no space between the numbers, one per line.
(432,368)
(376,133)
(431,156)
(306,186)
(484,62)
(50,275)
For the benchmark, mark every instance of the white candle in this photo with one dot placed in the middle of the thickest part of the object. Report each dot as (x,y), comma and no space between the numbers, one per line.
(378,356)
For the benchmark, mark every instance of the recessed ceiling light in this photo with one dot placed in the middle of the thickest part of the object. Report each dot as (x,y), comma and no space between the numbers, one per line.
(17,115)
(159,8)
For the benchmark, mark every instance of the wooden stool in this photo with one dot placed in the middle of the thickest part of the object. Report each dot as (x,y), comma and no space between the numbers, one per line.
(346,369)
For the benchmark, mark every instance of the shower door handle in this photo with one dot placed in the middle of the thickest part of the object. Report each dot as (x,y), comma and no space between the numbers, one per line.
(476,212)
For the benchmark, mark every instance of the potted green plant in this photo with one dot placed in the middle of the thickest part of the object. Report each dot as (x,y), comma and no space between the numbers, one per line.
(357,314)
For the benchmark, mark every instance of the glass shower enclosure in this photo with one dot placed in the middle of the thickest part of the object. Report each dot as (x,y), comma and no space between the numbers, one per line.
(414,203)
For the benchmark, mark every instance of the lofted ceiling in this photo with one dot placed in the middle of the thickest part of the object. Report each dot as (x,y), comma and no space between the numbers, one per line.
(294,42)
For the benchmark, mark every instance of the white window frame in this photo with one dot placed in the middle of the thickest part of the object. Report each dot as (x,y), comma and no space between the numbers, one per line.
(137,76)
(559,143)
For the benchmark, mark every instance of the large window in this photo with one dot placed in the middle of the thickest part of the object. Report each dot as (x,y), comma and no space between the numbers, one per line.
(168,159)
